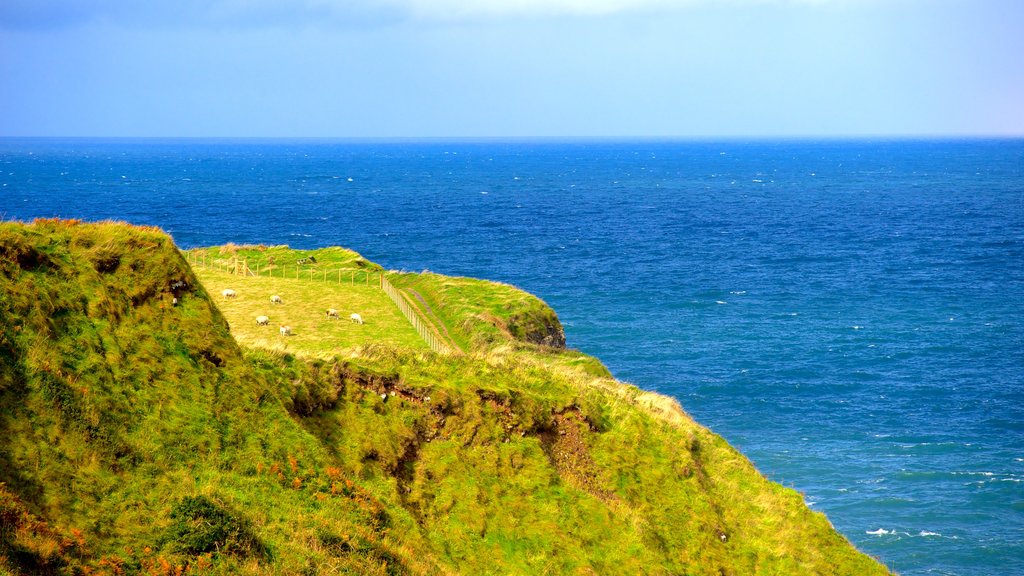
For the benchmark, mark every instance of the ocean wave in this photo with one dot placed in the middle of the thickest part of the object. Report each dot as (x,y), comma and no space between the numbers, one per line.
(903,533)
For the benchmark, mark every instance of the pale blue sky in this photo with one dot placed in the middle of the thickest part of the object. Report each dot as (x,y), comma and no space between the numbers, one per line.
(511,68)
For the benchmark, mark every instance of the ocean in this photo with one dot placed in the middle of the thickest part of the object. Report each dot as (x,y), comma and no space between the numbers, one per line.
(847,313)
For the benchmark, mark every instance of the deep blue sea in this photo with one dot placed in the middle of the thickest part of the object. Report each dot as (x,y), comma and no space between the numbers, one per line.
(849,314)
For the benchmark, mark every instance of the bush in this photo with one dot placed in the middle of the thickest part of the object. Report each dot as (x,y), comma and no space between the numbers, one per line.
(200,525)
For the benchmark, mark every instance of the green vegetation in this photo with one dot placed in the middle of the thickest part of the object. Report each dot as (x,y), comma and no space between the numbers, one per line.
(200,525)
(139,438)
(303,307)
(478,314)
(283,261)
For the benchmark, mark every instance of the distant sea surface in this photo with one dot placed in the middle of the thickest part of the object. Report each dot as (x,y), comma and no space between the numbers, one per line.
(849,314)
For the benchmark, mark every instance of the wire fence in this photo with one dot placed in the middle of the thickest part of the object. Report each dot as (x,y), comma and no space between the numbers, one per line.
(424,329)
(240,267)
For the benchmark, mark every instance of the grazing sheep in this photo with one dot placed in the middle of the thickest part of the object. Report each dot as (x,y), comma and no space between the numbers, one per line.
(262,321)
(275,299)
(174,301)
(356,318)
(228,293)
(332,313)
(286,330)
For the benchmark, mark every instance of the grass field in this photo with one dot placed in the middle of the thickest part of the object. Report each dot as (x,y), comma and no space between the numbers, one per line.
(304,307)
(137,437)
(479,314)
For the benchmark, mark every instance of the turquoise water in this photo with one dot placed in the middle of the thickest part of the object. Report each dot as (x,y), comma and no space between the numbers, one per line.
(849,314)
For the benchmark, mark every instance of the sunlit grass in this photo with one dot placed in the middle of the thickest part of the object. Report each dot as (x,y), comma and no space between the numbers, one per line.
(304,307)
(121,411)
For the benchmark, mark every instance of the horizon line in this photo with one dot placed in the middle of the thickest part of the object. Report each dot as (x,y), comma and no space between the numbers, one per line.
(620,138)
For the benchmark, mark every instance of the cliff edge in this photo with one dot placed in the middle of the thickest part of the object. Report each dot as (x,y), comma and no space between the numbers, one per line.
(138,437)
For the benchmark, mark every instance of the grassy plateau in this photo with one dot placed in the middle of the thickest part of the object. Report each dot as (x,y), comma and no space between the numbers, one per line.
(148,426)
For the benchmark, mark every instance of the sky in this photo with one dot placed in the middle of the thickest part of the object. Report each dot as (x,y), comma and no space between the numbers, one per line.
(511,68)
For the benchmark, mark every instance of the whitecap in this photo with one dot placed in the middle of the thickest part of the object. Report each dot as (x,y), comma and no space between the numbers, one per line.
(350,180)
(878,532)
(927,533)
(720,302)
(738,292)
(857,327)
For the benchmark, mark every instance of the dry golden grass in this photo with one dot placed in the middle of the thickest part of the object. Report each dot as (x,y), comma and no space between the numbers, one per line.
(304,307)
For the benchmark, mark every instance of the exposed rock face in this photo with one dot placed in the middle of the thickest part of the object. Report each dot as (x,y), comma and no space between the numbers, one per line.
(552,335)
(541,328)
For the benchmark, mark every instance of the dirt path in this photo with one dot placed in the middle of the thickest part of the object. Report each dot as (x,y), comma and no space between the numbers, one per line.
(436,320)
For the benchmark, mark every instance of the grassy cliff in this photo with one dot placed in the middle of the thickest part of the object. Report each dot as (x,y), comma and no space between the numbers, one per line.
(138,436)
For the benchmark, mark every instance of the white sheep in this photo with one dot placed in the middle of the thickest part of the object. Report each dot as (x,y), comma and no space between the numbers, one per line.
(228,293)
(356,318)
(262,321)
(286,330)
(275,299)
(332,313)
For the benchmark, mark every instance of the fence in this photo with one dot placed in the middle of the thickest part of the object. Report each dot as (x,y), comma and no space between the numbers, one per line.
(425,330)
(240,267)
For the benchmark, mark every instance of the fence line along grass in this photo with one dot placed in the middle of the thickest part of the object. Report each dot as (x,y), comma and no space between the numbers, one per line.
(332,266)
(304,309)
(334,272)
(427,331)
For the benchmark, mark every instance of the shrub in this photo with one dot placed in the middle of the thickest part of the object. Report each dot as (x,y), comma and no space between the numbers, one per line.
(201,525)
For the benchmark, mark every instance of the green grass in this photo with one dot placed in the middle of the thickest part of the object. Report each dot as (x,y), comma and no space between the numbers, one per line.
(479,314)
(137,437)
(304,307)
(283,260)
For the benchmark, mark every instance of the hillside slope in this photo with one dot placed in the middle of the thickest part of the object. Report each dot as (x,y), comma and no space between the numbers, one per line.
(137,437)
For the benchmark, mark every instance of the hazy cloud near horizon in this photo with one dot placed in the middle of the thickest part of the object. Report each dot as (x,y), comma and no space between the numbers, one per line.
(511,68)
(34,14)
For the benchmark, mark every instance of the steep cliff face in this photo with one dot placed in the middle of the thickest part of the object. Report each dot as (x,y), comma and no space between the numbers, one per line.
(137,437)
